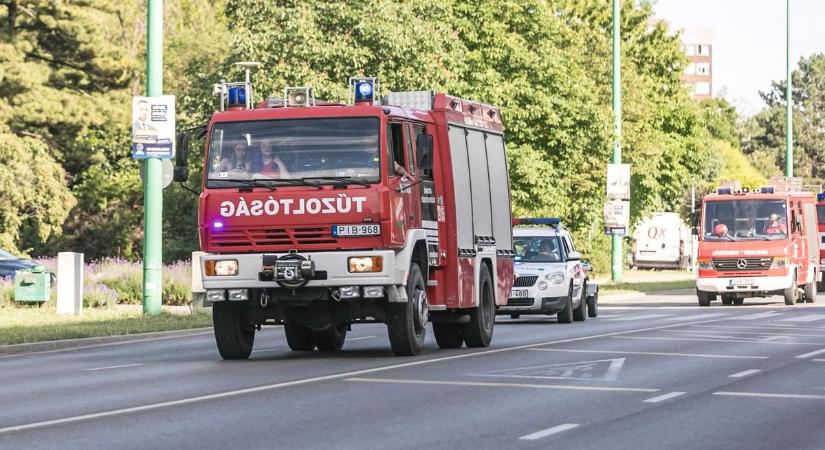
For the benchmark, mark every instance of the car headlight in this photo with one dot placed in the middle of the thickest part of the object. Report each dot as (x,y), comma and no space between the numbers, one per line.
(221,267)
(542,285)
(361,264)
(555,278)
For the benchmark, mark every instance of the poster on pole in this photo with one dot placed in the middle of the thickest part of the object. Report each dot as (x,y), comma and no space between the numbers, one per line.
(616,217)
(618,181)
(153,127)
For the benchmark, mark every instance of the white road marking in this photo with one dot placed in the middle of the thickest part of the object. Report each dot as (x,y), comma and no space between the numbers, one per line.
(715,340)
(820,360)
(604,369)
(814,353)
(808,318)
(747,332)
(770,395)
(763,315)
(663,397)
(642,317)
(744,373)
(113,367)
(761,327)
(696,317)
(360,338)
(621,352)
(548,432)
(269,387)
(568,387)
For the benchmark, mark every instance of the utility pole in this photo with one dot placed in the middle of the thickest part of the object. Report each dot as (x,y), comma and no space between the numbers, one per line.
(153,181)
(616,250)
(788,95)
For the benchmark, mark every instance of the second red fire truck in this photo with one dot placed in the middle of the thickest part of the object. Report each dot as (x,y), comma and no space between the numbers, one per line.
(319,215)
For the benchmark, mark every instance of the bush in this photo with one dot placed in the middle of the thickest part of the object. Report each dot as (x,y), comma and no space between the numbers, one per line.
(6,291)
(177,283)
(99,296)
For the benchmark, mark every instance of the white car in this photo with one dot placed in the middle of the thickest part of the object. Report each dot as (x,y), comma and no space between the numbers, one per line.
(551,278)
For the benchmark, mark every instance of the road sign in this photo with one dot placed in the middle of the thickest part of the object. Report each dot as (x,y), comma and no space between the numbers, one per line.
(618,181)
(167,170)
(153,127)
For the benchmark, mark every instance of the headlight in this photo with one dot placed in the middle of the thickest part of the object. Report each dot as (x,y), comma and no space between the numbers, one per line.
(779,263)
(822,261)
(221,268)
(705,264)
(360,264)
(542,285)
(554,278)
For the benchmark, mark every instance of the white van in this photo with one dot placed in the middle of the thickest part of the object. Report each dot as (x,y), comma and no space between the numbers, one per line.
(662,241)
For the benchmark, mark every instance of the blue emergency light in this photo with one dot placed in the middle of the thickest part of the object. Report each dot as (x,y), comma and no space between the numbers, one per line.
(724,191)
(820,197)
(364,90)
(767,190)
(236,96)
(550,221)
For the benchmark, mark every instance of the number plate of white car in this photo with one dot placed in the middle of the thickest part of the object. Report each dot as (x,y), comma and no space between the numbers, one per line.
(518,293)
(356,230)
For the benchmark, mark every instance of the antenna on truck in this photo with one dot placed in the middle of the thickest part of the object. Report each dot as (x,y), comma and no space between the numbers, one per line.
(237,94)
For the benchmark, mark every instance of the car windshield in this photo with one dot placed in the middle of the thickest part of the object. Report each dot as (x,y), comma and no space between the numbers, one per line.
(325,150)
(537,249)
(739,220)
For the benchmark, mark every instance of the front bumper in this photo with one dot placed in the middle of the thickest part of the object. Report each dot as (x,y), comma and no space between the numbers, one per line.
(728,285)
(537,300)
(334,264)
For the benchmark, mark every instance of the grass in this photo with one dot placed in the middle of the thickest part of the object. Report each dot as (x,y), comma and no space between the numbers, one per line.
(27,324)
(622,287)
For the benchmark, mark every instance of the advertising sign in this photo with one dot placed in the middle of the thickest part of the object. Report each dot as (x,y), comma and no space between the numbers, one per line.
(616,217)
(618,181)
(153,127)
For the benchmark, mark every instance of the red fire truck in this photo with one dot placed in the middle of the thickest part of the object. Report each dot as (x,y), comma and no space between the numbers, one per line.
(820,214)
(318,215)
(758,243)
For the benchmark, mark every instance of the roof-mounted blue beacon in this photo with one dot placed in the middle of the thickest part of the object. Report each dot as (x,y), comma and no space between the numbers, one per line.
(365,90)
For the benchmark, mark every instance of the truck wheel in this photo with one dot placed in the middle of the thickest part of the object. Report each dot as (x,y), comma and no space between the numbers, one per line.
(580,313)
(790,293)
(566,314)
(234,331)
(810,292)
(479,332)
(298,337)
(407,322)
(704,298)
(332,339)
(448,335)
(515,316)
(593,305)
(727,300)
(738,300)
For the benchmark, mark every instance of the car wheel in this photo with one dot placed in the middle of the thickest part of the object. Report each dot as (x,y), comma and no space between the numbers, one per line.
(580,313)
(593,305)
(566,314)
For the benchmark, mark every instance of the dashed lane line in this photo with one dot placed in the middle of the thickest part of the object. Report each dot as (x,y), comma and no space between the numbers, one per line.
(696,317)
(764,315)
(814,353)
(112,367)
(550,431)
(567,387)
(622,352)
(717,340)
(770,395)
(664,397)
(806,318)
(744,373)
(641,317)
(759,333)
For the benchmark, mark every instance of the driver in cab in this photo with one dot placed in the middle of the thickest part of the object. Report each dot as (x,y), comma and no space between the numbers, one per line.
(775,225)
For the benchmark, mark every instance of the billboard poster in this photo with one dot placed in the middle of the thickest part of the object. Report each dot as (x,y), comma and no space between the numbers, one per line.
(153,127)
(618,181)
(616,217)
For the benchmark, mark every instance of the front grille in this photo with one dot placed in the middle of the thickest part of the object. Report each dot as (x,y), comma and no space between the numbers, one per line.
(526,281)
(271,237)
(519,302)
(733,264)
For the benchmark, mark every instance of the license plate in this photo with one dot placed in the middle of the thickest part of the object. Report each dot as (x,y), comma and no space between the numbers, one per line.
(741,281)
(518,293)
(356,230)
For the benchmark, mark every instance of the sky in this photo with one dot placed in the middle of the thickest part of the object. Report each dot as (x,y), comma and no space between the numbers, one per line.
(749,41)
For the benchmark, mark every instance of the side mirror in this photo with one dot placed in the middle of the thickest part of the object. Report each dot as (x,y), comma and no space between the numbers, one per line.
(181,172)
(424,147)
(586,265)
(574,256)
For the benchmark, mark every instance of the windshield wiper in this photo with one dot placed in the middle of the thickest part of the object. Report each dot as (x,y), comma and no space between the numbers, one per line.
(299,182)
(255,183)
(349,180)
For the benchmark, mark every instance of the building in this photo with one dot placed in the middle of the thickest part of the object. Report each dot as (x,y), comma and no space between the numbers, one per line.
(698,46)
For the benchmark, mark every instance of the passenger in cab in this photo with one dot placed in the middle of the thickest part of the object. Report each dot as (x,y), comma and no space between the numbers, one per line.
(775,225)
(238,161)
(270,165)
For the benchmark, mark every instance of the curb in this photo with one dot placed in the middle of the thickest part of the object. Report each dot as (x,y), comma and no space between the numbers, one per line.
(642,295)
(71,344)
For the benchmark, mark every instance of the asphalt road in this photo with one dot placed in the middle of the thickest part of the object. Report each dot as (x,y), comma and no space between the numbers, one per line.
(648,373)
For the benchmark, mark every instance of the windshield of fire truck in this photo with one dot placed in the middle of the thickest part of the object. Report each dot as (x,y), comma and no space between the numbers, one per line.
(325,150)
(740,220)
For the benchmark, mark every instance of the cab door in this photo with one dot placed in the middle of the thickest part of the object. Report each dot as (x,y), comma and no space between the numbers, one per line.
(399,183)
(574,268)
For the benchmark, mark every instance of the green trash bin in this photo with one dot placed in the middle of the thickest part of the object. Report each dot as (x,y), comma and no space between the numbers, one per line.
(32,285)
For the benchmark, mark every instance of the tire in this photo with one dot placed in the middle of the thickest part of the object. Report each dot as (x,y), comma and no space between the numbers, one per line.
(810,292)
(704,298)
(404,320)
(234,330)
(448,335)
(790,293)
(738,301)
(298,337)
(479,332)
(566,314)
(727,300)
(515,316)
(593,305)
(332,339)
(580,313)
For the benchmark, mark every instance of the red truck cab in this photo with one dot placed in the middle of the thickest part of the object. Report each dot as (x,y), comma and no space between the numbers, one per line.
(758,243)
(319,215)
